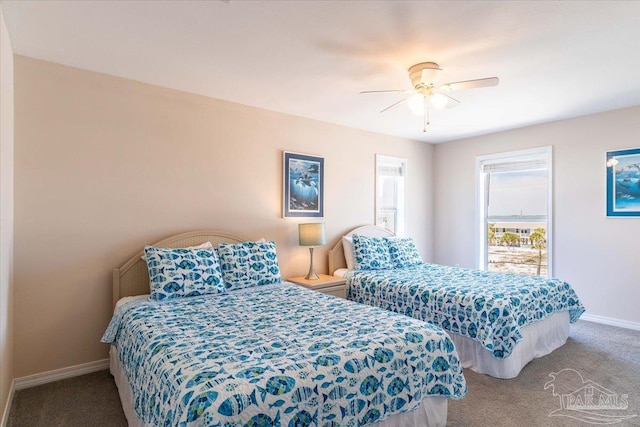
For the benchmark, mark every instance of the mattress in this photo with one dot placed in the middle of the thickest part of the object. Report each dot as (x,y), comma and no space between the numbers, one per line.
(279,354)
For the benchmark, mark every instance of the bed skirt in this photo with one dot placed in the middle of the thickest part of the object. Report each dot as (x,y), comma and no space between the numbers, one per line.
(538,339)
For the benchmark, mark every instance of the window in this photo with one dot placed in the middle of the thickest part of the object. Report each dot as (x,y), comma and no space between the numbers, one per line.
(514,223)
(390,193)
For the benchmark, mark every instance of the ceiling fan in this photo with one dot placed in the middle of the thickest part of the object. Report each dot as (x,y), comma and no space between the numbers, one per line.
(427,92)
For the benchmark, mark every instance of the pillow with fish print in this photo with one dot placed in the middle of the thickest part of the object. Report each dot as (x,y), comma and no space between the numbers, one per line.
(403,252)
(249,264)
(371,253)
(183,272)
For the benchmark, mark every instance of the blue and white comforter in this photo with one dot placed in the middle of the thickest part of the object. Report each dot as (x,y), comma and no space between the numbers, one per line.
(487,307)
(278,355)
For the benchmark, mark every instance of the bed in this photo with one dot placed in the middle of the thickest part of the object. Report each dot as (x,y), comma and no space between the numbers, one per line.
(273,354)
(499,322)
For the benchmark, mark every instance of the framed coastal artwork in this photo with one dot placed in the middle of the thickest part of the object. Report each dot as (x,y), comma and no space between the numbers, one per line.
(623,183)
(303,185)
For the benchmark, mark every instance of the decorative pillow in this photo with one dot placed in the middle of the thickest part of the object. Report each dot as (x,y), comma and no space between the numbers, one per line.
(249,264)
(403,252)
(347,246)
(371,253)
(205,245)
(182,272)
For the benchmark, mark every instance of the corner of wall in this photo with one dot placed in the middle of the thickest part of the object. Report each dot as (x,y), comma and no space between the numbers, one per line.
(4,419)
(432,203)
(6,220)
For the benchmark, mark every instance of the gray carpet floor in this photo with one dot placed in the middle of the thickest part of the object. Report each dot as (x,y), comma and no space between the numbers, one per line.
(603,354)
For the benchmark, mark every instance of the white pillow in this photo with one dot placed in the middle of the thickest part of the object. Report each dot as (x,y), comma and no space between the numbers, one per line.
(347,246)
(341,273)
(205,245)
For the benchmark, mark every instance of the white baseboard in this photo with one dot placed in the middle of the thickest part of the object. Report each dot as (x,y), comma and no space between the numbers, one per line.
(7,406)
(60,374)
(611,321)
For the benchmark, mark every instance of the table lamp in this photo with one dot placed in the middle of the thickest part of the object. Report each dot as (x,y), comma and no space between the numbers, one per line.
(311,235)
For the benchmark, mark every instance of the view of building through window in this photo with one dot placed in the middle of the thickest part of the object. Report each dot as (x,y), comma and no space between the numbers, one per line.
(518,248)
(517,221)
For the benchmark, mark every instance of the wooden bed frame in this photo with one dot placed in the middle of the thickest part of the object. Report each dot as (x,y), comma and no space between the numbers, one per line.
(133,277)
(336,254)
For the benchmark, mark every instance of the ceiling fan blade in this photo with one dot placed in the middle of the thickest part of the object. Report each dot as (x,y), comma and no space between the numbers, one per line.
(395,104)
(470,84)
(390,91)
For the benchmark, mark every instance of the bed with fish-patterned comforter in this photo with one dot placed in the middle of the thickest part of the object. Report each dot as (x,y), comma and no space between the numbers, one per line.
(278,355)
(487,307)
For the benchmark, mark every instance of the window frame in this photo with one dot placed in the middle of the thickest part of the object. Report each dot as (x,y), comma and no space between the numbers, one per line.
(481,243)
(401,195)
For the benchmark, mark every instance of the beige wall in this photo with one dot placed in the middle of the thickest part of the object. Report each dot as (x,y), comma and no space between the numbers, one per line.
(6,215)
(597,255)
(105,165)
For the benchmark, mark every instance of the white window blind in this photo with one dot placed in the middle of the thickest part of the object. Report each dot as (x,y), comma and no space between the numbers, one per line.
(390,170)
(514,166)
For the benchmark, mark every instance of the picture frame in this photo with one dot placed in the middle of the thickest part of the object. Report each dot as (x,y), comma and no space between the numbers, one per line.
(303,186)
(623,183)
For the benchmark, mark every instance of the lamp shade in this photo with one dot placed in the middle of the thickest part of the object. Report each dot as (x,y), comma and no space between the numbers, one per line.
(311,234)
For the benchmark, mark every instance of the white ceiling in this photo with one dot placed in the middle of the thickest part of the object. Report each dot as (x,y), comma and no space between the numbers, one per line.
(555,59)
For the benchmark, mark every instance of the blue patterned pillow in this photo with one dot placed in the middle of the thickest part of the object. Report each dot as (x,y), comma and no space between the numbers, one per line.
(403,252)
(249,264)
(371,253)
(183,272)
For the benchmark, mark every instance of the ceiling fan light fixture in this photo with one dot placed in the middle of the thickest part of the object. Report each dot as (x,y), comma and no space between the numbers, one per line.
(428,92)
(424,73)
(439,101)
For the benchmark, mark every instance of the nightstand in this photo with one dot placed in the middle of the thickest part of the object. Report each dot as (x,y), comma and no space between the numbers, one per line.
(331,285)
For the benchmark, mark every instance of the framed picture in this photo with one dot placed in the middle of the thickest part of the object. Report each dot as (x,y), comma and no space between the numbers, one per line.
(303,182)
(623,183)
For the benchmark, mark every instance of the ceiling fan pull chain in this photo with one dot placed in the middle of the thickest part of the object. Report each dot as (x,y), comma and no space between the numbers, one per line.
(426,114)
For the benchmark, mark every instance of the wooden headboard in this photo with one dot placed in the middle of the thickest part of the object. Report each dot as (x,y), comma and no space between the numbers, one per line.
(336,254)
(133,277)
